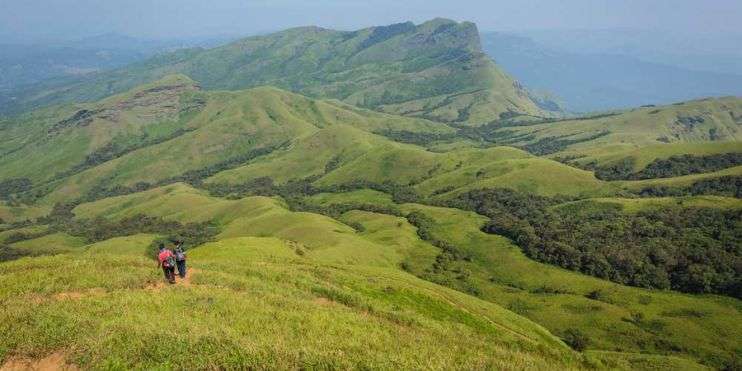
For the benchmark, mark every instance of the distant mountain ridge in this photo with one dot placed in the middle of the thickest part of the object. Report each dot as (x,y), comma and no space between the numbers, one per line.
(434,70)
(27,64)
(590,80)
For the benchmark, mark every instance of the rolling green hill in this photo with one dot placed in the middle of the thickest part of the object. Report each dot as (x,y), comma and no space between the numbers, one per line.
(168,128)
(555,298)
(434,70)
(413,209)
(695,127)
(300,313)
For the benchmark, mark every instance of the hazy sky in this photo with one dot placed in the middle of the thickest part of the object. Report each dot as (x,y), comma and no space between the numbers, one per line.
(31,20)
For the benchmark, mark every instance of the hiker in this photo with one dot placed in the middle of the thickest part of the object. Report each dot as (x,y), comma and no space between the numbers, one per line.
(166,260)
(180,259)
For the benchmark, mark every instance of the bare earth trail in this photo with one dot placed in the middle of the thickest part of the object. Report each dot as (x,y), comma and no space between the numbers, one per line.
(187,280)
(54,362)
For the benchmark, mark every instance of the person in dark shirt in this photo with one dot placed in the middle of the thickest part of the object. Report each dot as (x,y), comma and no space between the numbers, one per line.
(180,259)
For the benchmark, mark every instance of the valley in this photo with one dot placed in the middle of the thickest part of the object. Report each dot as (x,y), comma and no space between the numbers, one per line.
(386,198)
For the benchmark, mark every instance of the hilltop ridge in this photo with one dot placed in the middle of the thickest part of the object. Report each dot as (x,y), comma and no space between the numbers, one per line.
(434,70)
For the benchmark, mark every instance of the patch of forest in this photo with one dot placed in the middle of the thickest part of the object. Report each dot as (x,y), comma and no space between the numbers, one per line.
(690,249)
(61,219)
(729,186)
(670,167)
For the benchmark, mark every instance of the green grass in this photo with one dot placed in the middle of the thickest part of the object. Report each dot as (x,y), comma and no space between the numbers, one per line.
(264,118)
(54,243)
(361,196)
(314,134)
(684,325)
(254,303)
(271,260)
(125,120)
(673,323)
(321,237)
(285,289)
(29,230)
(11,214)
(646,133)
(530,175)
(363,156)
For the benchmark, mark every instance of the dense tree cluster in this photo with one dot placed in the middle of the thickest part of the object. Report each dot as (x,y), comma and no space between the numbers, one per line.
(62,219)
(8,253)
(670,167)
(697,250)
(193,177)
(689,122)
(415,137)
(549,145)
(730,186)
(265,186)
(80,118)
(14,186)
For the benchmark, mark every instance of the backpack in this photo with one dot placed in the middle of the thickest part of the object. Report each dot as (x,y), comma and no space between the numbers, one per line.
(180,255)
(169,262)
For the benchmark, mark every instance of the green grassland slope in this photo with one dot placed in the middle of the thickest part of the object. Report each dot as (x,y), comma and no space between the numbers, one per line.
(323,224)
(164,131)
(168,129)
(434,70)
(698,127)
(331,265)
(320,296)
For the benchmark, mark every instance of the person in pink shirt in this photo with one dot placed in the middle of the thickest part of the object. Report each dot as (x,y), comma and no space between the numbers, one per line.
(166,260)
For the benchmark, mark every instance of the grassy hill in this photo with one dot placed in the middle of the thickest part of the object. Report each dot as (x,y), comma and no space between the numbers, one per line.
(370,223)
(171,131)
(316,263)
(434,70)
(300,314)
(695,127)
(165,129)
(315,279)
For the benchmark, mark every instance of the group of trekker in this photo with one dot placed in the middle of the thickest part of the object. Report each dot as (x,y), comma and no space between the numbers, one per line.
(171,259)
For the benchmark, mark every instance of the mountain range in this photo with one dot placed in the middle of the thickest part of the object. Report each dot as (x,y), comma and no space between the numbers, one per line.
(434,70)
(385,198)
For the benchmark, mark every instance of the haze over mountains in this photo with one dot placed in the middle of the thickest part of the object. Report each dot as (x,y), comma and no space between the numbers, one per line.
(386,198)
(584,70)
(593,70)
(25,64)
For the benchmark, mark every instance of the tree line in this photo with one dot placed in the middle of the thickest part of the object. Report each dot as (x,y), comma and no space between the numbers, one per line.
(673,166)
(690,249)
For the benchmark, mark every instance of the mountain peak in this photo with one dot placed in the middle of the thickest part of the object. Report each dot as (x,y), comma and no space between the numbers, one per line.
(438,21)
(434,70)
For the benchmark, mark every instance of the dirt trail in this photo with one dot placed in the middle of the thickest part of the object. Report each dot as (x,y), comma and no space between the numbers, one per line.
(161,284)
(187,280)
(53,362)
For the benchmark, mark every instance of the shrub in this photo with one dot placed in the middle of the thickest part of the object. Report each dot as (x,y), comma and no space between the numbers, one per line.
(576,339)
